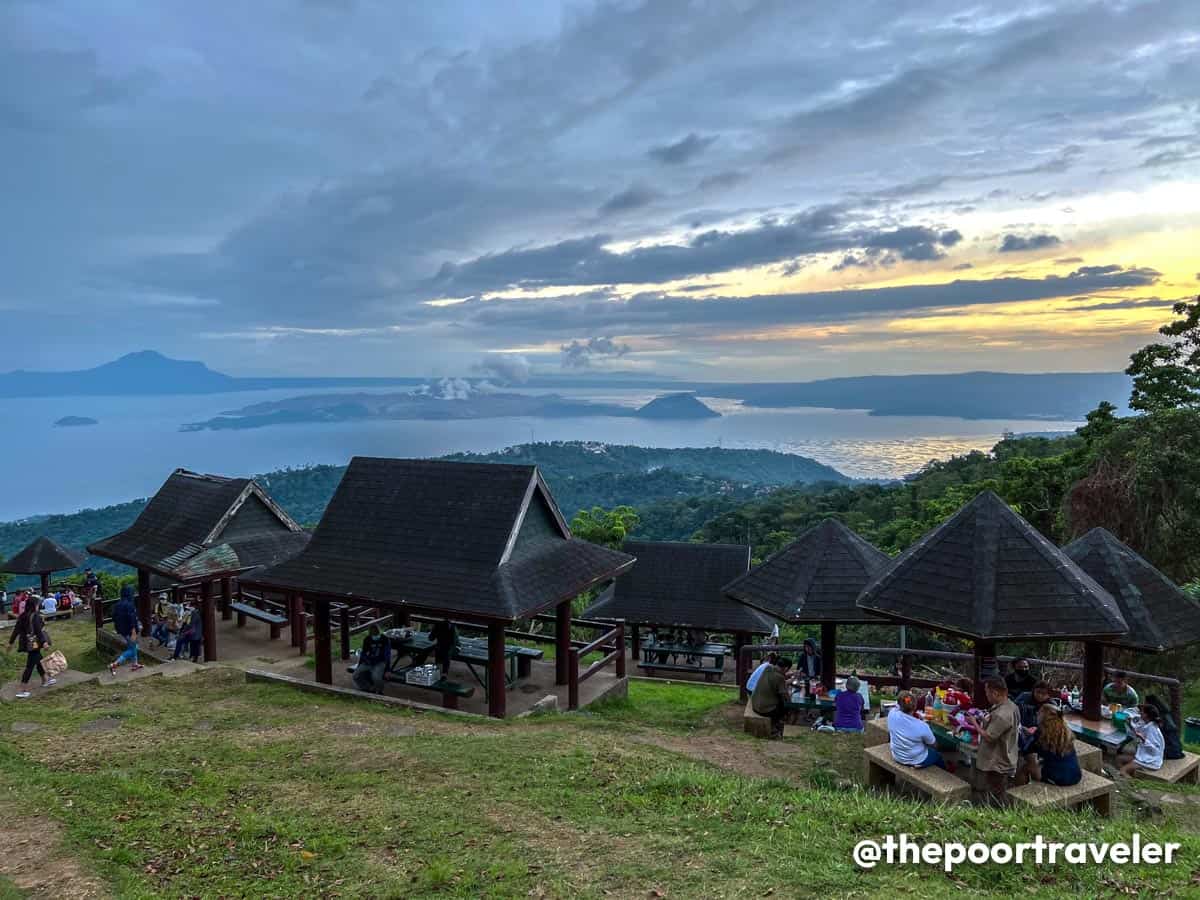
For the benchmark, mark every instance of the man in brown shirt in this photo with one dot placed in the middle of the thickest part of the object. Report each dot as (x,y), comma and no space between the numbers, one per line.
(771,695)
(997,756)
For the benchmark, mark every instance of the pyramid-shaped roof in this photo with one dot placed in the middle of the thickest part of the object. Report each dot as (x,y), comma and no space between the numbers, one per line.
(679,585)
(190,514)
(42,556)
(986,573)
(1160,615)
(477,539)
(815,579)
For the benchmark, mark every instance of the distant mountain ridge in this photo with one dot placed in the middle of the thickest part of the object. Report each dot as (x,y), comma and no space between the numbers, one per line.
(1062,396)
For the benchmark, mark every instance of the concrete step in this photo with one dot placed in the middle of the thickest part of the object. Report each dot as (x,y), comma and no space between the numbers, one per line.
(9,691)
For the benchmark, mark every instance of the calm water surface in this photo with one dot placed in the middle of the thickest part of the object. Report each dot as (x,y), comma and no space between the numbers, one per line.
(138,442)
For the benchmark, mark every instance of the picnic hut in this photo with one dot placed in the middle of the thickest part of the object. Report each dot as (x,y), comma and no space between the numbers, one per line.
(987,575)
(1159,614)
(680,586)
(477,543)
(42,558)
(815,580)
(203,530)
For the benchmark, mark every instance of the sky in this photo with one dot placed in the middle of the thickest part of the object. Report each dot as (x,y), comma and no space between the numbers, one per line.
(739,190)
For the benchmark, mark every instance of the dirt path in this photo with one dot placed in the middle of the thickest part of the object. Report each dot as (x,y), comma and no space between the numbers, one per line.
(37,860)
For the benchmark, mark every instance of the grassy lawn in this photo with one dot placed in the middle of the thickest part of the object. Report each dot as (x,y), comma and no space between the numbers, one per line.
(209,786)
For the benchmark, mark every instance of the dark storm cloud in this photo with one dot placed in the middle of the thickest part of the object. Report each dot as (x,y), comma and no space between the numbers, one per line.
(1017,243)
(587,261)
(682,151)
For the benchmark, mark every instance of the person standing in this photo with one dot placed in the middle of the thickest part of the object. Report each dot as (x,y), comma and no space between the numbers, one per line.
(1020,680)
(30,633)
(373,660)
(191,634)
(444,635)
(771,695)
(998,733)
(125,621)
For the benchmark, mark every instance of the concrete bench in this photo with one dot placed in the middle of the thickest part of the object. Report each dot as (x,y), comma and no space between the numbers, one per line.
(933,782)
(1093,790)
(710,673)
(1186,770)
(875,732)
(753,723)
(1091,758)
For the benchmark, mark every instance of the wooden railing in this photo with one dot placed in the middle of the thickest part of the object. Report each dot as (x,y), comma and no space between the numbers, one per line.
(615,639)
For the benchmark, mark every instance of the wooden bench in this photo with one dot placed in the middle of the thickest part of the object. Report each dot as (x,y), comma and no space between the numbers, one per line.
(244,611)
(709,672)
(1093,790)
(1186,770)
(450,690)
(933,782)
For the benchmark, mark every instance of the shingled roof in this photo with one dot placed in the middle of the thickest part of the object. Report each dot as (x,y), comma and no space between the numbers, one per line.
(192,514)
(474,539)
(43,555)
(680,585)
(815,579)
(986,573)
(1160,615)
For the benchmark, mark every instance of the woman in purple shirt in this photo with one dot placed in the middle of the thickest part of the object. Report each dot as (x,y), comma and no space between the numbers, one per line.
(848,708)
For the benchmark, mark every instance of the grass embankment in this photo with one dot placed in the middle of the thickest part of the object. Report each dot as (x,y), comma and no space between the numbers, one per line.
(209,786)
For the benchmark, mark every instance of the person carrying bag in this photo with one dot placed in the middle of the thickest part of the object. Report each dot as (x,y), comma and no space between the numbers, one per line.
(30,633)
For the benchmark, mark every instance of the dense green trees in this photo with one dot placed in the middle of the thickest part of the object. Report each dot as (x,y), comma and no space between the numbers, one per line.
(1166,375)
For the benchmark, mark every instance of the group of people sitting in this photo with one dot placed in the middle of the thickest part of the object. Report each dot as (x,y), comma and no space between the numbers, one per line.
(175,626)
(53,603)
(1023,735)
(771,685)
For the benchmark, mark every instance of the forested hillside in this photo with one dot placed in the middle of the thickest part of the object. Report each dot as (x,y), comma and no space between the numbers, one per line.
(679,489)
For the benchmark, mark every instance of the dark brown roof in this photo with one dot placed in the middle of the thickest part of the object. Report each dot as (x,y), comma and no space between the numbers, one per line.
(475,539)
(43,555)
(1160,615)
(817,578)
(987,573)
(680,585)
(191,514)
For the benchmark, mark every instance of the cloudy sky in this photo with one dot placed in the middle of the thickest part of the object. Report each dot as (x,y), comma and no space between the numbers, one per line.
(734,190)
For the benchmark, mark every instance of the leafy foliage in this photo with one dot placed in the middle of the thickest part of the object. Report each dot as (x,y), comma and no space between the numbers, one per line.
(1166,375)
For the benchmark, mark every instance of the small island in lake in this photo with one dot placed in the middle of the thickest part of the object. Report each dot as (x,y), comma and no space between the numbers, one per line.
(75,422)
(446,400)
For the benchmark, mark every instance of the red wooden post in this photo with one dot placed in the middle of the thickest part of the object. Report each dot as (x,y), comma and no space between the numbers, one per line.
(635,648)
(573,679)
(562,641)
(985,667)
(226,599)
(828,655)
(45,585)
(1175,691)
(620,649)
(906,672)
(323,639)
(739,641)
(344,623)
(497,689)
(1093,679)
(293,618)
(302,624)
(144,607)
(744,664)
(208,616)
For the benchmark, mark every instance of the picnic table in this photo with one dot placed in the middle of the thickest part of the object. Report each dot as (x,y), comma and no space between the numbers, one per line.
(471,651)
(1100,733)
(655,654)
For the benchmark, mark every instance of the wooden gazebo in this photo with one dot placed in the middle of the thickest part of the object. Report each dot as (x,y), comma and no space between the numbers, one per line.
(987,575)
(41,558)
(200,530)
(1160,616)
(816,580)
(680,585)
(474,542)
